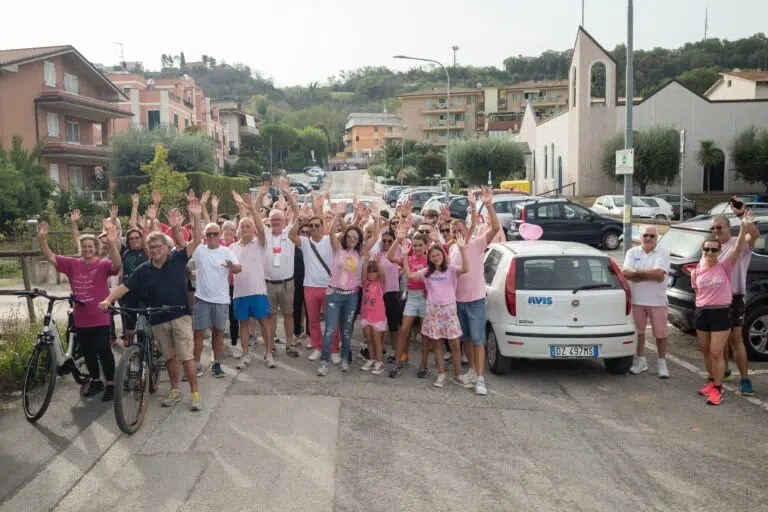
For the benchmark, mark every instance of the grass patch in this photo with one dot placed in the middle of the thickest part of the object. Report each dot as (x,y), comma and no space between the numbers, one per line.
(8,271)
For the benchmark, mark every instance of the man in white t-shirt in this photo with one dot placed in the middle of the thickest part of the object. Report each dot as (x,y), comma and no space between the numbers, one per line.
(646,268)
(213,263)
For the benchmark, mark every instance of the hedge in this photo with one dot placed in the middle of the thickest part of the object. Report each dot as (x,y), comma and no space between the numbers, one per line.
(130,184)
(221,186)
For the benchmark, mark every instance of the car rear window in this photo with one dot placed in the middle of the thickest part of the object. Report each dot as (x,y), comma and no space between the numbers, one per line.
(564,273)
(684,243)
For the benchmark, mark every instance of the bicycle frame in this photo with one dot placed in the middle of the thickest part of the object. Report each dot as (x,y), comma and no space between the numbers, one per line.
(65,361)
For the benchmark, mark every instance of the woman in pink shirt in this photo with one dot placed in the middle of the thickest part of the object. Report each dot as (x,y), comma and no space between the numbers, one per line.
(441,321)
(711,281)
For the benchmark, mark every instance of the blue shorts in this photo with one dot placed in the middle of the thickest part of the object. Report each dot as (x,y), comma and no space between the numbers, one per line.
(252,306)
(472,319)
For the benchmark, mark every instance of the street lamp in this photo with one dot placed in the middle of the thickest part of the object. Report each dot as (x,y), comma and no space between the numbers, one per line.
(402,148)
(448,108)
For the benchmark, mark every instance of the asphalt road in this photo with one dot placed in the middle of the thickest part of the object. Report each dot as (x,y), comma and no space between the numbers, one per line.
(550,436)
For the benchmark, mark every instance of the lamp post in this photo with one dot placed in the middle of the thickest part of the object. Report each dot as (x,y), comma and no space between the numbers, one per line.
(628,134)
(402,148)
(448,108)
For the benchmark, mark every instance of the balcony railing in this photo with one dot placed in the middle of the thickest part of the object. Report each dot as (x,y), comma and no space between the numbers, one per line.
(188,103)
(53,90)
(156,126)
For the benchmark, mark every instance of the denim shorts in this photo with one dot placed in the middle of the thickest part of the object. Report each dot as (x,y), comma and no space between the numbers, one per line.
(251,306)
(415,304)
(472,320)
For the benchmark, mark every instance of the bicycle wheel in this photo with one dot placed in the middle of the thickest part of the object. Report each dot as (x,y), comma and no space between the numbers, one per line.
(131,384)
(157,366)
(79,371)
(39,382)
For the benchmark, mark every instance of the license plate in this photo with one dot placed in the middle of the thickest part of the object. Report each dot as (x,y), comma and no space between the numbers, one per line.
(568,351)
(670,281)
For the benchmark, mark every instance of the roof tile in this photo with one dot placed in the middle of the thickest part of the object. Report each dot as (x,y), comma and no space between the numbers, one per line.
(22,54)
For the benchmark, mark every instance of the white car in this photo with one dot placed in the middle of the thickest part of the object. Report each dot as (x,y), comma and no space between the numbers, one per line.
(614,205)
(556,300)
(664,210)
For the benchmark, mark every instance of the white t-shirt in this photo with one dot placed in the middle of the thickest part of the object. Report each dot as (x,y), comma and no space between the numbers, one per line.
(314,274)
(739,272)
(648,293)
(212,276)
(279,252)
(251,280)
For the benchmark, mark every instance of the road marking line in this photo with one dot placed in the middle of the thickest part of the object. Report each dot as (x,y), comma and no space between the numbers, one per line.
(694,369)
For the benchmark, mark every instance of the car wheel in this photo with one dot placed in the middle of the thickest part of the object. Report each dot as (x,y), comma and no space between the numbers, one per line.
(618,365)
(660,216)
(392,204)
(755,333)
(610,240)
(687,215)
(498,364)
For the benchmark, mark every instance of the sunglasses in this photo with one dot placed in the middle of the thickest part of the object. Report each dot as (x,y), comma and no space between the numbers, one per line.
(212,233)
(647,235)
(431,216)
(716,228)
(448,230)
(425,231)
(710,249)
(314,225)
(386,241)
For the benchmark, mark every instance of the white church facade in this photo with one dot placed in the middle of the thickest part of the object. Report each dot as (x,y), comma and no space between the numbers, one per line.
(566,149)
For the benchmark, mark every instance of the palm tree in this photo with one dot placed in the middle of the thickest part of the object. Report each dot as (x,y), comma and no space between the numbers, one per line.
(709,156)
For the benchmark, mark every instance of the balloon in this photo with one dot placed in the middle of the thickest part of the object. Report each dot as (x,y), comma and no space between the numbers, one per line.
(530,231)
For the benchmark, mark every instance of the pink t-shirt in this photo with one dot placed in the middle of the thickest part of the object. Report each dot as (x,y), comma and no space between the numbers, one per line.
(471,285)
(416,263)
(713,285)
(441,286)
(391,274)
(372,309)
(89,284)
(345,269)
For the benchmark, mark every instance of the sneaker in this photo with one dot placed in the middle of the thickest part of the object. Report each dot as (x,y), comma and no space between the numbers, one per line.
(391,359)
(639,366)
(439,381)
(480,388)
(237,352)
(252,340)
(345,366)
(745,388)
(197,404)
(291,351)
(394,372)
(244,362)
(715,396)
(315,355)
(404,361)
(472,375)
(706,390)
(322,371)
(308,345)
(171,398)
(464,360)
(463,381)
(378,368)
(216,370)
(199,370)
(447,357)
(270,361)
(663,371)
(368,365)
(94,388)
(422,373)
(728,377)
(109,393)
(335,358)
(278,342)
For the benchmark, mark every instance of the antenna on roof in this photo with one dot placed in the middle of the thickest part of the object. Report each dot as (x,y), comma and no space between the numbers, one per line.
(706,22)
(122,54)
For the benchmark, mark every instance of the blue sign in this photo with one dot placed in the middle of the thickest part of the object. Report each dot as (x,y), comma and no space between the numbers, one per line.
(540,301)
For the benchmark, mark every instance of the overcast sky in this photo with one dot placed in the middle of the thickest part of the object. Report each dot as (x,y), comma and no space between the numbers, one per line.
(298,41)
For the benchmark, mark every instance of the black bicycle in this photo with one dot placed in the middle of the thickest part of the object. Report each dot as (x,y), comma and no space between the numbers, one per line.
(138,373)
(49,359)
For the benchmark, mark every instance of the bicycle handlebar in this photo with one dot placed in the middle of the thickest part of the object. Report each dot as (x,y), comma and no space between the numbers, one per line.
(146,311)
(35,292)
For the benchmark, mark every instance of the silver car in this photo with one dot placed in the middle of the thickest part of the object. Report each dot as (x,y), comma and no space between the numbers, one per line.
(504,204)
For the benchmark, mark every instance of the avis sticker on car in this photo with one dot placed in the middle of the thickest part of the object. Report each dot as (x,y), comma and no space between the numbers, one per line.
(540,301)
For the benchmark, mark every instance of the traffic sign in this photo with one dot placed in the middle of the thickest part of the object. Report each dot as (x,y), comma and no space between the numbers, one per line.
(625,161)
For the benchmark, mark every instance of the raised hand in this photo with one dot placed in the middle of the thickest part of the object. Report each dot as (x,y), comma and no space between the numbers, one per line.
(112,235)
(377,257)
(284,185)
(281,203)
(190,195)
(135,199)
(237,197)
(42,229)
(408,222)
(375,210)
(471,198)
(215,202)
(445,213)
(152,212)
(228,265)
(402,231)
(74,215)
(204,198)
(264,188)
(113,211)
(748,217)
(142,222)
(487,197)
(306,211)
(461,242)
(156,197)
(319,200)
(194,208)
(174,218)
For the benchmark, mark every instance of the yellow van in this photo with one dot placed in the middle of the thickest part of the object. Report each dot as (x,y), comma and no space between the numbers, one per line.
(517,185)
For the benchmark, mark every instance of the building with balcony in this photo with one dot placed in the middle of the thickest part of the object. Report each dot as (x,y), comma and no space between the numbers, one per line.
(238,123)
(428,117)
(365,133)
(170,103)
(54,95)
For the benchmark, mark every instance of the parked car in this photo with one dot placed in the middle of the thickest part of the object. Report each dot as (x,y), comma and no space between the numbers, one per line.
(301,186)
(663,208)
(565,220)
(391,195)
(556,300)
(724,208)
(689,205)
(316,182)
(614,205)
(458,206)
(419,197)
(684,241)
(504,205)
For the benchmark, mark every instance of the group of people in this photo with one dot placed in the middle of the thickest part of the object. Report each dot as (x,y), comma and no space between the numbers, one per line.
(719,283)
(403,275)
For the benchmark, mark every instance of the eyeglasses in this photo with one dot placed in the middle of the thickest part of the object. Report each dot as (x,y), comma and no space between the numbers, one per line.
(212,234)
(716,228)
(648,235)
(710,249)
(155,247)
(447,230)
(134,238)
(314,225)
(424,231)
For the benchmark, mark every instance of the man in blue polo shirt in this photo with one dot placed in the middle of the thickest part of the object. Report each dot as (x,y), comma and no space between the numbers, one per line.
(163,280)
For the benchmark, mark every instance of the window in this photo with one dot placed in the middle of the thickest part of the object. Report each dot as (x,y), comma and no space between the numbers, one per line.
(598,85)
(97,138)
(53,125)
(428,102)
(70,83)
(49,71)
(491,265)
(127,91)
(176,120)
(389,129)
(545,162)
(76,177)
(573,87)
(573,211)
(565,273)
(729,83)
(458,118)
(153,119)
(54,173)
(186,122)
(650,202)
(470,100)
(548,211)
(375,142)
(73,132)
(375,129)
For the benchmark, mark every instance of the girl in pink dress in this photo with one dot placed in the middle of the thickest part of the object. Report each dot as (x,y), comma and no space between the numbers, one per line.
(372,314)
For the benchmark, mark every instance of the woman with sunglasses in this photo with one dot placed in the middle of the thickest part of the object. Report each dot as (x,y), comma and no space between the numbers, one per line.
(711,281)
(393,306)
(300,314)
(136,254)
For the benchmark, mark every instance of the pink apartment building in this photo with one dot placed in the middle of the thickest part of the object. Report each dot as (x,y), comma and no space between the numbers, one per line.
(170,103)
(56,96)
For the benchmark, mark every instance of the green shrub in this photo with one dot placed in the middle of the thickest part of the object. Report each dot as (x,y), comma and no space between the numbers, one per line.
(9,270)
(221,186)
(377,170)
(17,341)
(130,184)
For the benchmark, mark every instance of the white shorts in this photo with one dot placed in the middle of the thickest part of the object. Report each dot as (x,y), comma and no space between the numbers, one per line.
(377,326)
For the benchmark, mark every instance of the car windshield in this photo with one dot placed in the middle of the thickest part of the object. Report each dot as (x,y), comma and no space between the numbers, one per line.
(684,243)
(565,273)
(636,201)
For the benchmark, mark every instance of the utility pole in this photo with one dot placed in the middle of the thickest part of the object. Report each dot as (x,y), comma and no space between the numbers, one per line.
(582,13)
(706,22)
(455,49)
(628,135)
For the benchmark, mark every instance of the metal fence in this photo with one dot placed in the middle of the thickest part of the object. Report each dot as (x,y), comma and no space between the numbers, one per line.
(19,268)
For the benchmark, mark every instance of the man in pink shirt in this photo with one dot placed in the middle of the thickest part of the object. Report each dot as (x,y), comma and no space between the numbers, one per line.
(470,296)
